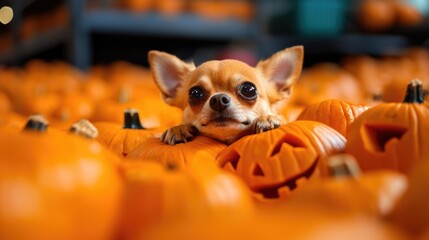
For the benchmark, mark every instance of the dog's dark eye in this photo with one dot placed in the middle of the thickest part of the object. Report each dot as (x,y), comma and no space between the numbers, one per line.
(248,91)
(196,94)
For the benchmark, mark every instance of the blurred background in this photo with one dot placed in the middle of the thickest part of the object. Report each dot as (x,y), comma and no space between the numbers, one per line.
(89,32)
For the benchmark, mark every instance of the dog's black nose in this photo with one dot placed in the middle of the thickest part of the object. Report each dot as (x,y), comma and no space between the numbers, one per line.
(220,101)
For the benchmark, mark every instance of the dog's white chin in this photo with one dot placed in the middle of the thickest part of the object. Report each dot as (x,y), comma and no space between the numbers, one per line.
(227,132)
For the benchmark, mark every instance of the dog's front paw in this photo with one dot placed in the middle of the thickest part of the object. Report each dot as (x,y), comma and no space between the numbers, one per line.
(268,122)
(179,134)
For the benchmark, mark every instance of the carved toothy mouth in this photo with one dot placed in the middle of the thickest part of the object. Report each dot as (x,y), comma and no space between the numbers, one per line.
(272,192)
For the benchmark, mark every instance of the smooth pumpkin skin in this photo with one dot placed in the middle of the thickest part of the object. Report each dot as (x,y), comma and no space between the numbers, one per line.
(157,194)
(334,113)
(326,81)
(412,211)
(274,157)
(180,155)
(55,185)
(271,222)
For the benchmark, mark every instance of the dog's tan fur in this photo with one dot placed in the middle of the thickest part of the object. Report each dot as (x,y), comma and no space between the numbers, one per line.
(273,79)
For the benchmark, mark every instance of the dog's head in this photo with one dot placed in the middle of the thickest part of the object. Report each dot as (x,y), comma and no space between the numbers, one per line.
(223,98)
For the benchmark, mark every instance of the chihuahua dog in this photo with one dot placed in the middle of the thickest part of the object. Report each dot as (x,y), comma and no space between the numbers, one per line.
(228,99)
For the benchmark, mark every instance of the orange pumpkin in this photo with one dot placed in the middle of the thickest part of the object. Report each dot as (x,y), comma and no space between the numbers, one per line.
(412,212)
(407,14)
(122,139)
(275,162)
(12,120)
(326,81)
(179,155)
(5,104)
(170,7)
(72,107)
(348,190)
(152,111)
(56,186)
(366,70)
(156,193)
(334,113)
(376,15)
(391,135)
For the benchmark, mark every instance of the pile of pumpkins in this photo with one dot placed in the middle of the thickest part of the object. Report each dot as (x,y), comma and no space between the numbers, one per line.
(345,167)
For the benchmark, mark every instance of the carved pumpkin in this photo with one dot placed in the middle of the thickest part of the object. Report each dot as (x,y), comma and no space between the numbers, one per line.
(348,190)
(121,139)
(56,186)
(334,113)
(156,193)
(391,135)
(275,162)
(179,155)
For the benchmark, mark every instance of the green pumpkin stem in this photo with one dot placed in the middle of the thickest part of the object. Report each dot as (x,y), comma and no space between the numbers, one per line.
(36,123)
(414,92)
(132,119)
(343,165)
(84,128)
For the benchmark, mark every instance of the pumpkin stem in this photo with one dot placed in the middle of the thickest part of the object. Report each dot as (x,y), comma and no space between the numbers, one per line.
(414,92)
(36,123)
(84,128)
(343,165)
(132,119)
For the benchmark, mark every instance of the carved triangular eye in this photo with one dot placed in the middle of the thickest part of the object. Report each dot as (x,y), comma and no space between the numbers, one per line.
(379,136)
(290,140)
(257,171)
(233,160)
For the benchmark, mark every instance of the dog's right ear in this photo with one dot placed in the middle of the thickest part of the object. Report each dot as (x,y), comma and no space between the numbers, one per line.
(168,71)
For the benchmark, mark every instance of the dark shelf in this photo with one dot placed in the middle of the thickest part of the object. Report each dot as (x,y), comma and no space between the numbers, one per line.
(184,25)
(34,45)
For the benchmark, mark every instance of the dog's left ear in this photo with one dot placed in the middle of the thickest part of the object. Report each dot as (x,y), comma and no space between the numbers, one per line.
(283,69)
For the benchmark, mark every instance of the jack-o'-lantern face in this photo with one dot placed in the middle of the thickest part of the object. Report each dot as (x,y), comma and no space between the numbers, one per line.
(391,135)
(275,162)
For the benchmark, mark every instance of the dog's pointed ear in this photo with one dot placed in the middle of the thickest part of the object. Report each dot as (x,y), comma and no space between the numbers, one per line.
(283,69)
(168,71)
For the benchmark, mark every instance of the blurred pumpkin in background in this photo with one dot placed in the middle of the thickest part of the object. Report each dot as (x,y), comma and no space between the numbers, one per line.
(326,81)
(376,15)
